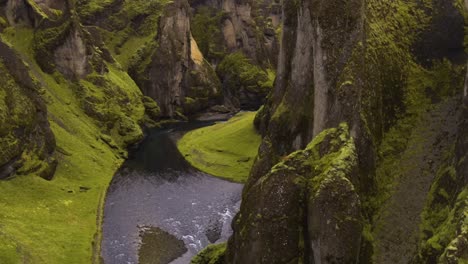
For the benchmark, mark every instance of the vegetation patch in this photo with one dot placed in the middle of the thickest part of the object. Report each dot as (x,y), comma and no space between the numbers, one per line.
(226,150)
(213,254)
(207,32)
(236,70)
(56,221)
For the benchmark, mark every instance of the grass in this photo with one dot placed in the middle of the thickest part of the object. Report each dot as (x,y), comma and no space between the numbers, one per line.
(58,221)
(225,150)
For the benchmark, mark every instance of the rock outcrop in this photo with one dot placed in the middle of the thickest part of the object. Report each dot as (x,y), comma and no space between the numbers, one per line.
(245,32)
(352,63)
(245,85)
(177,75)
(228,26)
(27,142)
(306,98)
(305,210)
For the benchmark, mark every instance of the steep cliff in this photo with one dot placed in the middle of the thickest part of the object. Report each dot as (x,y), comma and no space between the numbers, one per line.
(359,63)
(227,26)
(306,209)
(244,35)
(176,75)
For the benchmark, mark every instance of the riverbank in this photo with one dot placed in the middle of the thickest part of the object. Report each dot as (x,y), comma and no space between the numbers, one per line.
(56,221)
(157,189)
(226,149)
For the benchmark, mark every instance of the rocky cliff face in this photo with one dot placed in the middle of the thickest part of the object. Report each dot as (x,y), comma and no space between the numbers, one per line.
(247,26)
(306,209)
(245,31)
(27,142)
(178,77)
(353,63)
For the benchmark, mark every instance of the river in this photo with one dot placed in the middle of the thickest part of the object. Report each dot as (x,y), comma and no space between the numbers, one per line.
(159,209)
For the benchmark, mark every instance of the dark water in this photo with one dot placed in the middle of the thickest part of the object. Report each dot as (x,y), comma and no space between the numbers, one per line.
(158,188)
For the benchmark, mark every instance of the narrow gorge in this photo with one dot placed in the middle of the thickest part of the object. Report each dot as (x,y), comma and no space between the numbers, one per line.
(233,131)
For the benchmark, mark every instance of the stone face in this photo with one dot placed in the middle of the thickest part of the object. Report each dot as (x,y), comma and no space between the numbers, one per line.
(71,58)
(335,222)
(17,12)
(174,72)
(33,12)
(340,61)
(305,209)
(314,51)
(245,27)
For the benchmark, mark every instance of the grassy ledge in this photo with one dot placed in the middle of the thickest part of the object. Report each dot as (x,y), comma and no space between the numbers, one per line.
(225,150)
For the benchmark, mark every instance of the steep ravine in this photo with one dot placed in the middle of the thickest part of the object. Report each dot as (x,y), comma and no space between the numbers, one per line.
(73,99)
(363,154)
(397,225)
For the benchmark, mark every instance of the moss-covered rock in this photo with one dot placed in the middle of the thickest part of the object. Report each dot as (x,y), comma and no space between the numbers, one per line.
(305,209)
(444,227)
(172,68)
(25,136)
(206,29)
(61,74)
(361,68)
(213,254)
(245,85)
(224,27)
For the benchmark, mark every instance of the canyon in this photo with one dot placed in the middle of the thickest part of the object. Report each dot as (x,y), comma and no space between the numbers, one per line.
(361,127)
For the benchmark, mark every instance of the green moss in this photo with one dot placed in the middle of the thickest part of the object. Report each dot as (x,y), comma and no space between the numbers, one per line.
(46,41)
(213,254)
(9,252)
(445,214)
(88,8)
(21,37)
(236,70)
(130,40)
(37,9)
(18,122)
(225,150)
(340,160)
(206,30)
(47,214)
(115,100)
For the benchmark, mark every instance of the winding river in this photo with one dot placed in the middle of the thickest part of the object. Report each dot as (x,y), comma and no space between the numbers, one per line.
(158,205)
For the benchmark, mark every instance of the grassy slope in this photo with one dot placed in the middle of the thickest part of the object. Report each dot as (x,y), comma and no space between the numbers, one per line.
(55,222)
(132,39)
(226,149)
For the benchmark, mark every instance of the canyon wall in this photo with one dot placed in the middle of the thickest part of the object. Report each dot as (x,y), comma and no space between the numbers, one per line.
(354,67)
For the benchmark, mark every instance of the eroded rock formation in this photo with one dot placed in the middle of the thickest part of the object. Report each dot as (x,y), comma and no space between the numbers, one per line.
(352,63)
(178,76)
